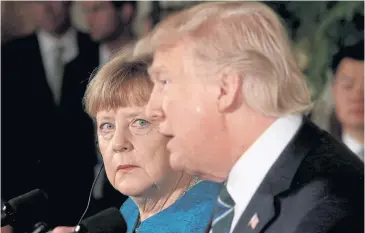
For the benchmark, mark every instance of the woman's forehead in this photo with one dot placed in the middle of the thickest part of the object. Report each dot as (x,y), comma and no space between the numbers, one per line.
(130,111)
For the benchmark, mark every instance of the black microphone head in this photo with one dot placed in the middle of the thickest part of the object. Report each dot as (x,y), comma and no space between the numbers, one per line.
(30,208)
(106,221)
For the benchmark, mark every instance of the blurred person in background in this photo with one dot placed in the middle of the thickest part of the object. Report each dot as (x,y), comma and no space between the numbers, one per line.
(136,158)
(347,121)
(152,18)
(110,24)
(48,141)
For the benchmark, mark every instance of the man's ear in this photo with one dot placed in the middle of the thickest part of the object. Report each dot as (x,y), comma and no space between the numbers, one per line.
(127,13)
(230,85)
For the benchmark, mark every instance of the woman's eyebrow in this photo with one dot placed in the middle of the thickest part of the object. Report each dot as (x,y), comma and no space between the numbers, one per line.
(104,117)
(134,113)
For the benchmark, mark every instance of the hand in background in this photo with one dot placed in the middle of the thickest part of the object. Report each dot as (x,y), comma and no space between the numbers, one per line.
(6,229)
(63,230)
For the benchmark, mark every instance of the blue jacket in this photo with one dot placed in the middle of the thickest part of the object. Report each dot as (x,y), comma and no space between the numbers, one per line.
(191,213)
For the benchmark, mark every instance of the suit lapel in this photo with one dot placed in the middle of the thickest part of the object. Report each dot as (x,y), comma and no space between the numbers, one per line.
(335,128)
(39,79)
(264,207)
(257,215)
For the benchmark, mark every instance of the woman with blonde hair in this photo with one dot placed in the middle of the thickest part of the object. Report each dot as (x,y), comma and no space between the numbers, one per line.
(135,156)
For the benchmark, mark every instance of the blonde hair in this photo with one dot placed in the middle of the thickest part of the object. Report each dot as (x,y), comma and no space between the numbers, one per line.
(246,38)
(170,27)
(121,82)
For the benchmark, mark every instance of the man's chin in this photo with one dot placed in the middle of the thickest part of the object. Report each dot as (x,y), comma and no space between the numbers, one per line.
(175,163)
(211,178)
(179,166)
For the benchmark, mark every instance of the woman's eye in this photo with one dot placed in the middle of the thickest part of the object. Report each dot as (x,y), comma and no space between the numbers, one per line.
(140,123)
(106,127)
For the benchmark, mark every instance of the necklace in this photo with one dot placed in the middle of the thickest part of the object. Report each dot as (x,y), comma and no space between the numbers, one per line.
(195,181)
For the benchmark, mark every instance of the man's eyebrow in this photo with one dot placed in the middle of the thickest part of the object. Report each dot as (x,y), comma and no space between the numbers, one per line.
(155,71)
(151,72)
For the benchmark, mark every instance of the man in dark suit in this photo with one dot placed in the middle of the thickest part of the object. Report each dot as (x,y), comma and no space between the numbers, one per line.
(111,25)
(347,121)
(48,140)
(231,76)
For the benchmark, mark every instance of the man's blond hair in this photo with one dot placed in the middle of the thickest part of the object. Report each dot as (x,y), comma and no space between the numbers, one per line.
(248,39)
(171,27)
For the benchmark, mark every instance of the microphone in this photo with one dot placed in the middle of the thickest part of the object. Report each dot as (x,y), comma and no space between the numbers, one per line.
(26,209)
(42,227)
(106,221)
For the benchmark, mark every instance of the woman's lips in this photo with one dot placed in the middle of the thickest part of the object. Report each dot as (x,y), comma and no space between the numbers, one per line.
(126,168)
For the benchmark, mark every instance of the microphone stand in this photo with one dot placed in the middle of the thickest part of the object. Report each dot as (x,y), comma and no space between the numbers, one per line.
(41,227)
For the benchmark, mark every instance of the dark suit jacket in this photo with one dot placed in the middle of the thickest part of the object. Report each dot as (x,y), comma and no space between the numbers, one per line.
(335,128)
(43,145)
(315,186)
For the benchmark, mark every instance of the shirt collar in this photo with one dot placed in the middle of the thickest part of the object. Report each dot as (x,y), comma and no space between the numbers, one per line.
(50,41)
(352,144)
(249,171)
(68,41)
(104,54)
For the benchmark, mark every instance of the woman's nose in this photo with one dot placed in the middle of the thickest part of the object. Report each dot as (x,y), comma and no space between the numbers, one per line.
(121,148)
(120,143)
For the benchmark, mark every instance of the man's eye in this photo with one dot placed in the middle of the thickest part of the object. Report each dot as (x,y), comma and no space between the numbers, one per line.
(163,82)
(140,123)
(346,82)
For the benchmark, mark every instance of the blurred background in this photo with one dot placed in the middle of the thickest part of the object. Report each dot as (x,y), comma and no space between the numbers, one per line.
(318,30)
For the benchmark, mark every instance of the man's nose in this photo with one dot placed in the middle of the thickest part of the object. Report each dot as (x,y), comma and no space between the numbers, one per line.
(357,93)
(154,108)
(89,18)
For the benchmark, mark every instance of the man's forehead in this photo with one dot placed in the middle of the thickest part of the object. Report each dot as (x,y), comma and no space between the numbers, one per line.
(348,63)
(166,58)
(350,66)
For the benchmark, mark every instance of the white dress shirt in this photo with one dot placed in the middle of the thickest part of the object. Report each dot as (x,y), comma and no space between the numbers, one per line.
(48,46)
(354,145)
(250,170)
(104,54)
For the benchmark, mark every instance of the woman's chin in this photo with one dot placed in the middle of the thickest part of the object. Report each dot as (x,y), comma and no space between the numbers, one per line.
(128,192)
(133,189)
